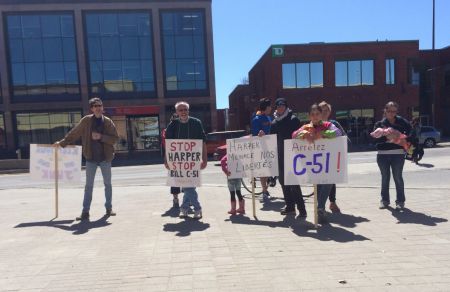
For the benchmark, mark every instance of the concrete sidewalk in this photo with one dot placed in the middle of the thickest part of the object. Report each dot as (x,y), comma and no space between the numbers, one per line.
(146,247)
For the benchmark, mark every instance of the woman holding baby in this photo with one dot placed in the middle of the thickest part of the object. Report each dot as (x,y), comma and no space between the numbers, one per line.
(391,154)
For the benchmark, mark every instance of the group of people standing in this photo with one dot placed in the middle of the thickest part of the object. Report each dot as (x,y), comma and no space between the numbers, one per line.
(98,135)
(285,125)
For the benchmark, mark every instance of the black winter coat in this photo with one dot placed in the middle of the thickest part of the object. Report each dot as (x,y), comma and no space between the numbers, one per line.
(284,129)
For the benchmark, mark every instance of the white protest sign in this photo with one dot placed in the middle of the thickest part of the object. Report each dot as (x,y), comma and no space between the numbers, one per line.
(42,163)
(253,156)
(322,162)
(184,158)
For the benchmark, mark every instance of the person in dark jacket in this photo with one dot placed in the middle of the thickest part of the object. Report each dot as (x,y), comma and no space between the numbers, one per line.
(284,123)
(391,156)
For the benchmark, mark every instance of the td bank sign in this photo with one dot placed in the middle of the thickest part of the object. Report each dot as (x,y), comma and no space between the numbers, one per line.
(277,51)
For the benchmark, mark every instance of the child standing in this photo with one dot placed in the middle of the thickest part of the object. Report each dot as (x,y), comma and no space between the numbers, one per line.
(234,185)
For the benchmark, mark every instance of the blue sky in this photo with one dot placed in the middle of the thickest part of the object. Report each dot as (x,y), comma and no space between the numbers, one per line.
(244,29)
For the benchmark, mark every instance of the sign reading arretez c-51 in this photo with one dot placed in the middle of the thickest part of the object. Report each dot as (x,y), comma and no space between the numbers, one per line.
(277,51)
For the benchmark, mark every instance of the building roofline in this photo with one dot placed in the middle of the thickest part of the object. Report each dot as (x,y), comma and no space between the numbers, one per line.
(347,43)
(332,44)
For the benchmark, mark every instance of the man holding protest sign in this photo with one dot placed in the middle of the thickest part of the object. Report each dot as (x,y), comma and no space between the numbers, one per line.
(187,128)
(283,125)
(98,135)
(261,126)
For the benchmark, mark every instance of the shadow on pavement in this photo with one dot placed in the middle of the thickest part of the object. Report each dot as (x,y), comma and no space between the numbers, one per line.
(408,216)
(76,229)
(426,165)
(274,206)
(301,227)
(329,233)
(346,220)
(172,212)
(185,227)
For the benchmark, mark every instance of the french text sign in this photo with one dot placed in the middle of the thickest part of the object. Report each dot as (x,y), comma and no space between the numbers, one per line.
(253,156)
(42,163)
(184,158)
(321,162)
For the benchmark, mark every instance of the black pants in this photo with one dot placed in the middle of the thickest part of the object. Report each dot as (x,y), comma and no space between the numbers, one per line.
(332,196)
(292,194)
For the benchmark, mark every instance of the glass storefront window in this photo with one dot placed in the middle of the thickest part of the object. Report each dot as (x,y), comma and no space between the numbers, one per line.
(120,53)
(358,123)
(43,58)
(2,132)
(184,50)
(44,128)
(302,75)
(137,133)
(354,73)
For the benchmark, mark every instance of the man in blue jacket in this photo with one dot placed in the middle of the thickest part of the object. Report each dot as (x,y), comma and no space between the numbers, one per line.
(261,126)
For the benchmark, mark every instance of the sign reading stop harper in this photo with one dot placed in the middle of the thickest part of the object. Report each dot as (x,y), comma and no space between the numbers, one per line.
(322,162)
(253,156)
(42,163)
(184,158)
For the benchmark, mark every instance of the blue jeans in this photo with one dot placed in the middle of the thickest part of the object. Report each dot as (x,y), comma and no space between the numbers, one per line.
(91,168)
(190,196)
(385,163)
(323,191)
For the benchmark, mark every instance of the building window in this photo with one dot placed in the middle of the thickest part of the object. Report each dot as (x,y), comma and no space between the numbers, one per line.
(302,75)
(390,71)
(2,132)
(184,50)
(353,73)
(44,128)
(43,59)
(120,54)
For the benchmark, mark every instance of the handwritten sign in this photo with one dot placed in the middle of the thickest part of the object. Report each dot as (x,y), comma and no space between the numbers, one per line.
(253,156)
(323,162)
(184,158)
(42,163)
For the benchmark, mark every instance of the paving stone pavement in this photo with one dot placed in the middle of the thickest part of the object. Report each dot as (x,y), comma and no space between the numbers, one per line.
(146,247)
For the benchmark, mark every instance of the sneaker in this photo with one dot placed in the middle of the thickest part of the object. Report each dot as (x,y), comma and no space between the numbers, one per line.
(176,203)
(383,205)
(110,212)
(183,213)
(399,206)
(84,216)
(265,197)
(322,216)
(334,208)
(198,214)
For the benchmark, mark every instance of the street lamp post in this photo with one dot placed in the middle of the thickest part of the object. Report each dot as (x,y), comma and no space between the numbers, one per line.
(433,73)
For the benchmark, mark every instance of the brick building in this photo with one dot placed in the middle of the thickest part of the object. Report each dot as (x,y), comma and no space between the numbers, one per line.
(358,79)
(139,56)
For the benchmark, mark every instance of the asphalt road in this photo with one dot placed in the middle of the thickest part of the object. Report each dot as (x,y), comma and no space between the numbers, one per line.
(433,172)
